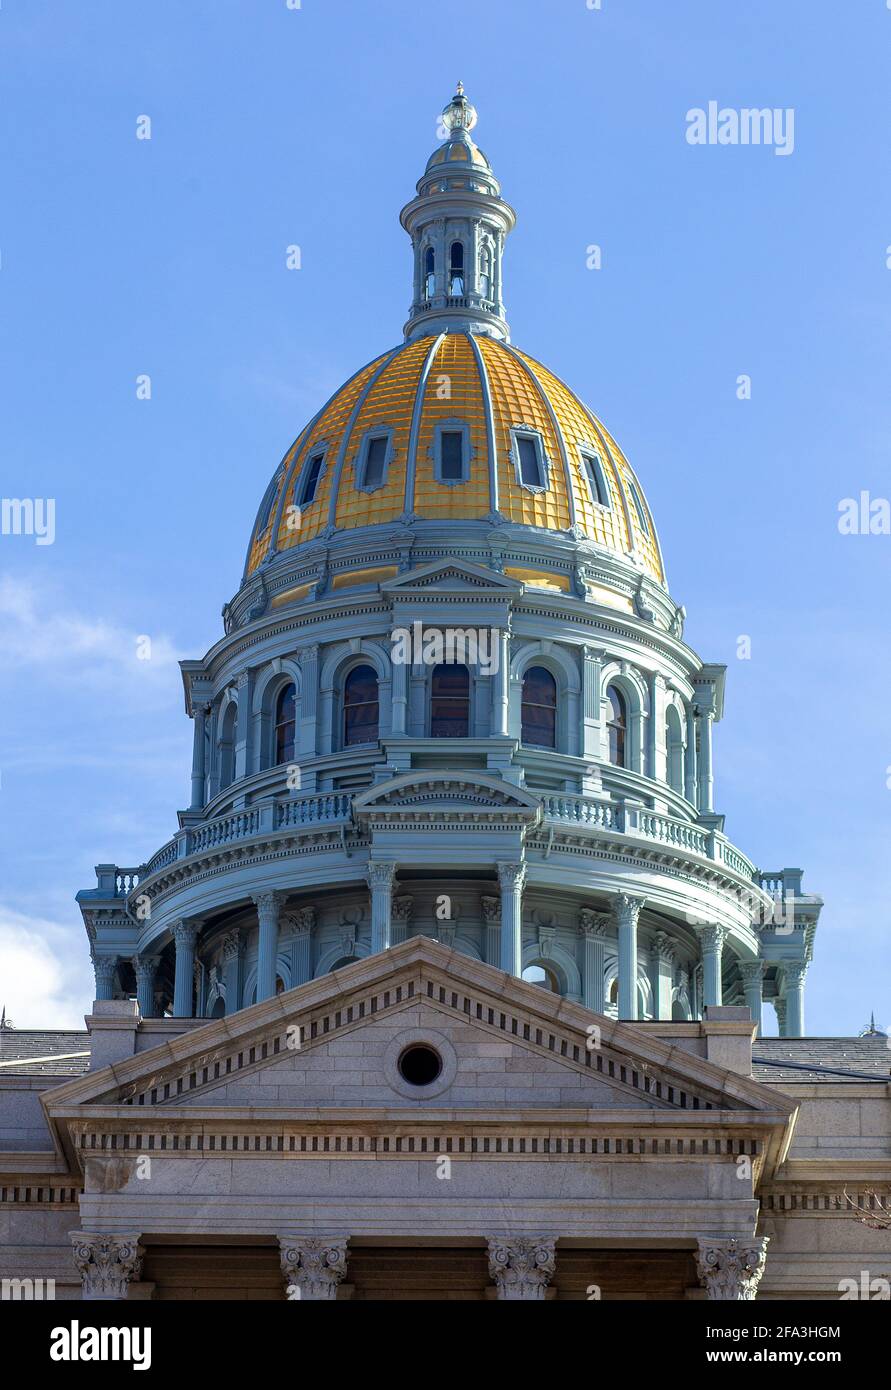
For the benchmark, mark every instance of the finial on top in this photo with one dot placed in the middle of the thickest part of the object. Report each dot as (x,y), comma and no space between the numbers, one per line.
(459,114)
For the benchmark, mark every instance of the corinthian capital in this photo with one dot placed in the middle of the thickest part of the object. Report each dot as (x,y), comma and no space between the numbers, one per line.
(106,1264)
(626,909)
(381,874)
(521,1267)
(511,876)
(732,1268)
(592,923)
(711,937)
(184,933)
(313,1266)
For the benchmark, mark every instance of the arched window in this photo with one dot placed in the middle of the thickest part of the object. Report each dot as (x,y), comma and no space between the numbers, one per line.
(429,273)
(344,960)
(674,750)
(617,725)
(285,724)
(227,746)
(539,708)
(485,272)
(450,702)
(456,268)
(540,975)
(360,706)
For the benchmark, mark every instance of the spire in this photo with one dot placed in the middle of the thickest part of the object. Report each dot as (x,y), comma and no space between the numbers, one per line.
(457,224)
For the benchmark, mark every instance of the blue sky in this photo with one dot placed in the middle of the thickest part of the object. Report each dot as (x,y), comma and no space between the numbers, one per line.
(273,126)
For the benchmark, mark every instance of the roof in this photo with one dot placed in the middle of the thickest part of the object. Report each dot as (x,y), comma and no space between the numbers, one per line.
(43,1052)
(806,1060)
(490,390)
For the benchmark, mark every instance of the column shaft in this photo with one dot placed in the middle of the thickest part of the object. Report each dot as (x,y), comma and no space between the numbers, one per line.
(380,881)
(184,935)
(627,911)
(199,734)
(511,877)
(267,943)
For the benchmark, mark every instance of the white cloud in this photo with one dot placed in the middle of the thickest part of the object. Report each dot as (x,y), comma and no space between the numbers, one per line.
(43,982)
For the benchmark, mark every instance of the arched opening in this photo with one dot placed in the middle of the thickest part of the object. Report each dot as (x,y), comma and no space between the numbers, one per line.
(613,993)
(285,724)
(617,726)
(450,702)
(227,746)
(456,268)
(344,960)
(219,1008)
(429,273)
(539,708)
(674,750)
(539,974)
(360,706)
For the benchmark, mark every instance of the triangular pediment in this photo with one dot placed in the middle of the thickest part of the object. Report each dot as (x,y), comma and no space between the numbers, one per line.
(452,576)
(432,794)
(619,1063)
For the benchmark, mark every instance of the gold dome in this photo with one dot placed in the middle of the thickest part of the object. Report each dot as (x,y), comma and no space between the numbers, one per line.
(495,392)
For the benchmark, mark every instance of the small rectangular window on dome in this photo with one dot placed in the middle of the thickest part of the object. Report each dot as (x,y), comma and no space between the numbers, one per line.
(375,461)
(310,479)
(451,461)
(639,508)
(596,478)
(531,472)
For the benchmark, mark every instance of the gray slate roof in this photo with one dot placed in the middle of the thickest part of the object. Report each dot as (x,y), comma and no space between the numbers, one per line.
(817,1059)
(24,1046)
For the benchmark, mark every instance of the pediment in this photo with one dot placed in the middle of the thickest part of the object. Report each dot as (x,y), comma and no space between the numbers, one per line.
(452,576)
(595,1064)
(430,795)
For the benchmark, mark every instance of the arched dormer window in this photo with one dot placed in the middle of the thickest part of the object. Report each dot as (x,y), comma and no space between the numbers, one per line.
(285,724)
(456,268)
(360,706)
(539,708)
(485,272)
(450,702)
(429,273)
(617,726)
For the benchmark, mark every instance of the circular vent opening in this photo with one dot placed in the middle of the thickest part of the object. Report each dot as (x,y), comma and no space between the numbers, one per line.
(419,1065)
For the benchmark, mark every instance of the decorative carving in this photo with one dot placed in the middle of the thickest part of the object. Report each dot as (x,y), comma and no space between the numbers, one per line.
(511,877)
(711,937)
(546,934)
(232,947)
(185,934)
(522,1267)
(106,1264)
(795,973)
(664,947)
(491,909)
(732,1268)
(302,920)
(267,904)
(592,923)
(380,875)
(313,1266)
(403,907)
(751,971)
(104,968)
(626,908)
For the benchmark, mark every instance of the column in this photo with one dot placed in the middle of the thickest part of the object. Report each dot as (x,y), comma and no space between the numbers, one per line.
(199,745)
(627,911)
(105,968)
(592,667)
(711,940)
(731,1269)
(313,1266)
(233,969)
(521,1268)
(491,909)
(107,1264)
(662,974)
(690,757)
(399,695)
(309,700)
(752,974)
(402,910)
(303,922)
(501,684)
(794,995)
(380,880)
(146,968)
(243,723)
(779,1005)
(267,905)
(511,878)
(592,929)
(706,777)
(184,937)
(652,727)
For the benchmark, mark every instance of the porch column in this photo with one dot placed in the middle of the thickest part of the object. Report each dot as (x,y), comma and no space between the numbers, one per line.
(592,930)
(662,959)
(105,969)
(711,940)
(267,905)
(145,967)
(627,911)
(184,936)
(380,880)
(491,909)
(313,1266)
(233,969)
(752,973)
(521,1268)
(731,1269)
(794,995)
(106,1264)
(199,735)
(511,878)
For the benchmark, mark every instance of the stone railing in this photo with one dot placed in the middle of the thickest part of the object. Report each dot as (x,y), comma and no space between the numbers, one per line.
(581,810)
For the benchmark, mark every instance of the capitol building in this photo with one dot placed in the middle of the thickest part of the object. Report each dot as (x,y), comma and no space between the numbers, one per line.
(449,982)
